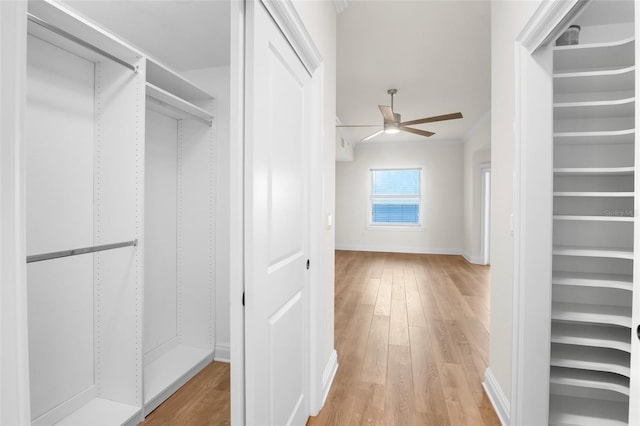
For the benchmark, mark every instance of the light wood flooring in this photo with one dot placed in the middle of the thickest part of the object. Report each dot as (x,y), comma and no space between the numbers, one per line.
(204,400)
(412,340)
(412,337)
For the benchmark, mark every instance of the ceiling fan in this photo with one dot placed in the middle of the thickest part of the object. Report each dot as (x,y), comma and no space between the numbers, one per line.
(393,124)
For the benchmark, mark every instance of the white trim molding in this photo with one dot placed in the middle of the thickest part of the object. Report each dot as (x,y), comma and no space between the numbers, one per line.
(497,397)
(222,352)
(476,260)
(329,374)
(398,249)
(14,352)
(286,17)
(548,21)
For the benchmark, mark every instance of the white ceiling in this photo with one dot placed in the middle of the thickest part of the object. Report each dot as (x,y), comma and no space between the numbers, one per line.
(183,34)
(436,53)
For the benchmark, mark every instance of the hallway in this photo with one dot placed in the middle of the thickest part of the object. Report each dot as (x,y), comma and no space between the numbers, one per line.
(412,341)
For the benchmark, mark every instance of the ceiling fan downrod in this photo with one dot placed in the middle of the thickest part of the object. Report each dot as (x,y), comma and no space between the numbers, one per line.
(392,92)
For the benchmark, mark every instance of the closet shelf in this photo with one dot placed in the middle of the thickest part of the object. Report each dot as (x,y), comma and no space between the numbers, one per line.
(595,138)
(159,75)
(568,410)
(594,218)
(598,314)
(169,104)
(594,55)
(103,412)
(594,171)
(590,358)
(590,379)
(64,28)
(611,80)
(165,375)
(596,194)
(618,281)
(615,253)
(594,109)
(603,336)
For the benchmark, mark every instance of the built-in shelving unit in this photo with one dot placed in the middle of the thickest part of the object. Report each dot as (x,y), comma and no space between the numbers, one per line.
(179,231)
(593,227)
(83,184)
(119,163)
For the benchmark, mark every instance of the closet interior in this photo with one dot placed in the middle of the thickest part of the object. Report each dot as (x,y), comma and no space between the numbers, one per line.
(593,232)
(120,224)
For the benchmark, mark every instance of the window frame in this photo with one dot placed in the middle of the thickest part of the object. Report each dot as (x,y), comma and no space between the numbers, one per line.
(395,226)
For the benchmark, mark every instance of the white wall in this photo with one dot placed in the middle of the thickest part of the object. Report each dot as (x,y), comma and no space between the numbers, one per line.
(215,81)
(477,150)
(319,18)
(442,177)
(507,20)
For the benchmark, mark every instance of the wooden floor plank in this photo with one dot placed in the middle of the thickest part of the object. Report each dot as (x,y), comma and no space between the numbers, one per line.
(368,407)
(398,326)
(399,407)
(374,365)
(429,398)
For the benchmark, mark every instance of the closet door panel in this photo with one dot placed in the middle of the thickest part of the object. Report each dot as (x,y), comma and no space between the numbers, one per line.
(59,149)
(195,245)
(160,231)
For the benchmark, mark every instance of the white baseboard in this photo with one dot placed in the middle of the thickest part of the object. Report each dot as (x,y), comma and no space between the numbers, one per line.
(222,353)
(497,397)
(398,249)
(477,260)
(329,374)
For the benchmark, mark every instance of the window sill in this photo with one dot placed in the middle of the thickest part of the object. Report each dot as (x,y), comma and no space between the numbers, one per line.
(401,228)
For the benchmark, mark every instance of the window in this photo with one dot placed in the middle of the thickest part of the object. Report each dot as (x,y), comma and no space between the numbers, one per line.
(395,197)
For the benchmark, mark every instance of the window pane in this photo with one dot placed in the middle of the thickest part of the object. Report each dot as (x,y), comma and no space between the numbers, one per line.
(396,182)
(389,210)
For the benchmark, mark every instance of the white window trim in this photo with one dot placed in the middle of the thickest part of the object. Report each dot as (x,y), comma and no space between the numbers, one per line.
(395,226)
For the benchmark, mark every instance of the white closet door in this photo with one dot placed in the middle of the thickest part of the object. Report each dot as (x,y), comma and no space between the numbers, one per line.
(276,224)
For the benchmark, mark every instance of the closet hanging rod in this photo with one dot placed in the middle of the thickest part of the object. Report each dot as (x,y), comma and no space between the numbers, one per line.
(181,111)
(75,252)
(79,41)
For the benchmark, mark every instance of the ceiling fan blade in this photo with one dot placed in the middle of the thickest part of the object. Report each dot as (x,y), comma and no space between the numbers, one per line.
(379,132)
(417,132)
(387,113)
(358,125)
(432,119)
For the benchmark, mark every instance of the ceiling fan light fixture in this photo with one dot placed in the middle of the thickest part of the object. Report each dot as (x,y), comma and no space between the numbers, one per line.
(391,128)
(392,121)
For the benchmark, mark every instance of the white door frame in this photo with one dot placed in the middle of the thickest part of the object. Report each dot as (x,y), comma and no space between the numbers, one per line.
(485,213)
(532,204)
(286,17)
(14,359)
